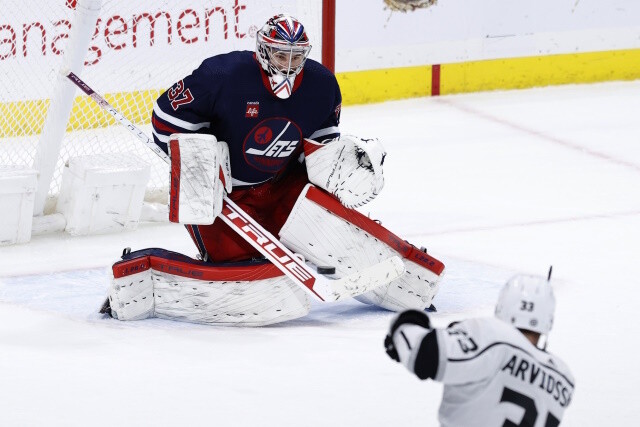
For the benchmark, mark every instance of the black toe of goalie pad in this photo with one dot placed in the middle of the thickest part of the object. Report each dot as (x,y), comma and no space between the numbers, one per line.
(162,260)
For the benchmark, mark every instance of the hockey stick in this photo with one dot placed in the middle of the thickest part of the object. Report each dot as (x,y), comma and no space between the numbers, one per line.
(321,287)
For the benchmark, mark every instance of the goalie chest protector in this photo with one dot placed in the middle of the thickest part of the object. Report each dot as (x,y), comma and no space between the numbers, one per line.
(229,97)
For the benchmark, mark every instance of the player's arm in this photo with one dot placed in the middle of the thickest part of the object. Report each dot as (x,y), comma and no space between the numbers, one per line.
(412,342)
(329,129)
(186,107)
(455,355)
(200,165)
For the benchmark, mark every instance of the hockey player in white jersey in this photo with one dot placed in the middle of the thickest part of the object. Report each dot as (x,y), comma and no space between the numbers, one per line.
(493,371)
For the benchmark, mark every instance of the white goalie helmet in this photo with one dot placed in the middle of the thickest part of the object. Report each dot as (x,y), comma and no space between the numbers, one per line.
(282,48)
(527,302)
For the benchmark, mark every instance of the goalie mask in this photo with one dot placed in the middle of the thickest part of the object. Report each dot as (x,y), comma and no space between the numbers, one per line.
(527,302)
(282,47)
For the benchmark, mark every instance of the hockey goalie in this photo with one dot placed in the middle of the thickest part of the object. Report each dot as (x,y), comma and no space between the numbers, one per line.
(262,128)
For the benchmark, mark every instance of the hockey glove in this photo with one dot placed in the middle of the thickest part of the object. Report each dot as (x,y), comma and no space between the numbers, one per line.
(413,317)
(349,167)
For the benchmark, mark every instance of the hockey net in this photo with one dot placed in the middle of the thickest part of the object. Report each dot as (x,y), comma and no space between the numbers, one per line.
(136,49)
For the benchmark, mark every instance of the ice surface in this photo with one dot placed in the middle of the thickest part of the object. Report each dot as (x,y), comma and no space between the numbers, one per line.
(491,183)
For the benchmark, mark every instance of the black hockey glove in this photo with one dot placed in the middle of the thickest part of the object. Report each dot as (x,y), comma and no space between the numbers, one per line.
(413,317)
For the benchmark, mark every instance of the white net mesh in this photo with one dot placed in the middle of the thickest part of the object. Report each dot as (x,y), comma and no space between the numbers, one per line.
(28,66)
(138,49)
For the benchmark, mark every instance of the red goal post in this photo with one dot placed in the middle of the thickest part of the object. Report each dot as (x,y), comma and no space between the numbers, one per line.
(131,51)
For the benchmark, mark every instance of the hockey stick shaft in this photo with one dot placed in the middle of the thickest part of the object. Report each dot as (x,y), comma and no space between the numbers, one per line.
(242,223)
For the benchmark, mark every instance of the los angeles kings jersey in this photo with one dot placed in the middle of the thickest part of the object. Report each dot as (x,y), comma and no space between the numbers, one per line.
(492,374)
(229,97)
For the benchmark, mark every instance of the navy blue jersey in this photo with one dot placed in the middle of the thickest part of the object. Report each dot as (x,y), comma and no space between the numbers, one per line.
(229,96)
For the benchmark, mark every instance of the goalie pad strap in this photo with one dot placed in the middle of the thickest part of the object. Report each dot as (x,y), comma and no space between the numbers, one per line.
(405,249)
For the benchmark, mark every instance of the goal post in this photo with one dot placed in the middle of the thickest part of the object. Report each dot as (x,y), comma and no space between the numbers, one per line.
(131,51)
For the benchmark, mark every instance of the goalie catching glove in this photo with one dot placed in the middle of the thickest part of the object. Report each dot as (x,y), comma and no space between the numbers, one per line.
(200,175)
(349,167)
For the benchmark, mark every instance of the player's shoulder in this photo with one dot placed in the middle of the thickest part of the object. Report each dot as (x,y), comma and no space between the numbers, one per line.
(315,70)
(557,364)
(491,332)
(229,64)
(487,325)
(495,332)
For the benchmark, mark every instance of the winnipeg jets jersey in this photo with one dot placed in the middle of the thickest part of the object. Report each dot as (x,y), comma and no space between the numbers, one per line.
(492,374)
(229,96)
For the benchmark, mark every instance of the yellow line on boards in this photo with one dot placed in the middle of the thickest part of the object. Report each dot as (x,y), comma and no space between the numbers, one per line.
(362,87)
(520,73)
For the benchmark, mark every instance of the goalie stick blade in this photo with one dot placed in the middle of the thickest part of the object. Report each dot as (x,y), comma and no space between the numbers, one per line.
(361,281)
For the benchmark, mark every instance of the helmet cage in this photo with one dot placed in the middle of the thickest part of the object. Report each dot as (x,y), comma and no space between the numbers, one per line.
(282,47)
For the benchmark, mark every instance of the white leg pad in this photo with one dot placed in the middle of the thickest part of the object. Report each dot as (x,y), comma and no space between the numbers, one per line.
(245,303)
(144,288)
(131,297)
(327,234)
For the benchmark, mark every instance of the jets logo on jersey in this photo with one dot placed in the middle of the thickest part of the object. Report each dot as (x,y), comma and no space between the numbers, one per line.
(253,108)
(270,143)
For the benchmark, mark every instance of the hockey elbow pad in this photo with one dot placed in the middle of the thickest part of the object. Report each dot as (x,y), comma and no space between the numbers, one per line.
(348,167)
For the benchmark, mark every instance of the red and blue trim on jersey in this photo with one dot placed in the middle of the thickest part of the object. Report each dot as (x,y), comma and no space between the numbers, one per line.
(165,124)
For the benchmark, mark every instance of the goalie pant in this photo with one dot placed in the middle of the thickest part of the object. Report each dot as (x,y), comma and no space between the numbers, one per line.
(492,374)
(159,283)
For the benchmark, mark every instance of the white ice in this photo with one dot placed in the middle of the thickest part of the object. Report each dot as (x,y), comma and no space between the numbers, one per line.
(491,183)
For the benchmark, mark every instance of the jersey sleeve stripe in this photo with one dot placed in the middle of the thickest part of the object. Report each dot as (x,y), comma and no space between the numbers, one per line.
(160,137)
(160,126)
(333,130)
(178,122)
(442,355)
